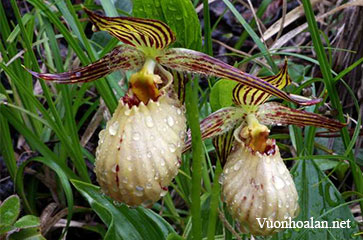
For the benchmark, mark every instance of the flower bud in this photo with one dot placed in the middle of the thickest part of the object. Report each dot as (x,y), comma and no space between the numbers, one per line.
(139,152)
(260,186)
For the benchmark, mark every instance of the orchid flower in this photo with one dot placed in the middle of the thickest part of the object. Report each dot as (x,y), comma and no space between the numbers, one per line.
(255,182)
(139,151)
(146,48)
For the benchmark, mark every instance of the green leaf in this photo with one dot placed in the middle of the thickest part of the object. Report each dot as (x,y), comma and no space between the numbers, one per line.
(318,195)
(124,222)
(174,236)
(27,234)
(19,182)
(221,94)
(9,210)
(5,229)
(178,14)
(27,222)
(15,33)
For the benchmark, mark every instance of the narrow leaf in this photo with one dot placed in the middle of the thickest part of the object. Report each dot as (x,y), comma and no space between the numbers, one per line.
(122,57)
(275,113)
(137,32)
(187,60)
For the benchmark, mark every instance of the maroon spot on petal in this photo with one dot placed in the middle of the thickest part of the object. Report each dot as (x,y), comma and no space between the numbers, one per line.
(117,180)
(131,100)
(252,181)
(244,198)
(117,168)
(270,150)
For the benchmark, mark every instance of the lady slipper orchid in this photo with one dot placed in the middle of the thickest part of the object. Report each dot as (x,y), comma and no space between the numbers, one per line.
(139,151)
(256,184)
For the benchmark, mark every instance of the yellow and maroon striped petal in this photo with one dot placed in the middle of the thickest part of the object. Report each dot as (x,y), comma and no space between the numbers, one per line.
(217,123)
(223,145)
(191,61)
(276,114)
(138,32)
(122,57)
(245,95)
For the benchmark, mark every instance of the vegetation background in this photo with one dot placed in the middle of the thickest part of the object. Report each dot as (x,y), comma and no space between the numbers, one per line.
(49,132)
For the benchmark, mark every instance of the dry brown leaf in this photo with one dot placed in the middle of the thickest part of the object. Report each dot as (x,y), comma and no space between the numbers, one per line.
(285,38)
(290,18)
(91,128)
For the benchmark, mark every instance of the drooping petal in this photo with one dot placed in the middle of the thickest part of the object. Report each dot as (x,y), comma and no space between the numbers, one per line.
(196,62)
(217,123)
(122,57)
(138,32)
(275,114)
(223,145)
(245,95)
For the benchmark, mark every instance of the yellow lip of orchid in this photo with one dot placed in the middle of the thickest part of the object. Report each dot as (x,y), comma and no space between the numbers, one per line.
(148,39)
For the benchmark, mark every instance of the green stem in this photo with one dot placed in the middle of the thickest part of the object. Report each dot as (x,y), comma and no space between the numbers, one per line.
(214,203)
(207,30)
(191,104)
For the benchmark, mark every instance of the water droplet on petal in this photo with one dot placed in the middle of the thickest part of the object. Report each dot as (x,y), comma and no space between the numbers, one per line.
(279,204)
(279,183)
(179,111)
(162,162)
(170,121)
(172,147)
(113,169)
(149,121)
(113,128)
(237,166)
(127,112)
(148,185)
(221,178)
(182,134)
(136,136)
(148,154)
(139,191)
